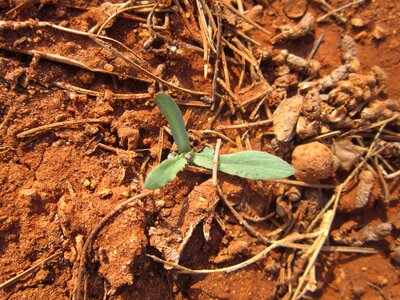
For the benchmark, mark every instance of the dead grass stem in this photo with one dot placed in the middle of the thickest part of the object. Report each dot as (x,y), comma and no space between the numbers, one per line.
(63,124)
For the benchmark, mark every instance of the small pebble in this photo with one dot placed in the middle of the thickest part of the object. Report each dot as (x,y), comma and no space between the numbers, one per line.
(293,194)
(125,194)
(42,276)
(105,193)
(395,254)
(29,194)
(85,77)
(358,291)
(357,22)
(381,281)
(108,67)
(379,33)
(283,209)
(360,36)
(160,204)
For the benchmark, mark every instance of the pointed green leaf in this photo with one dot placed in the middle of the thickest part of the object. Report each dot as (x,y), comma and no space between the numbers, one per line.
(173,114)
(256,165)
(165,172)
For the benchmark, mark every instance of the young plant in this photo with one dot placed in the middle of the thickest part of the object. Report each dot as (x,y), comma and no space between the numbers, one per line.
(255,165)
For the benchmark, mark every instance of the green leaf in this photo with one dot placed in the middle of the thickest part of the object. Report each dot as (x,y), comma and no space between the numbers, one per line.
(256,165)
(208,150)
(165,172)
(173,114)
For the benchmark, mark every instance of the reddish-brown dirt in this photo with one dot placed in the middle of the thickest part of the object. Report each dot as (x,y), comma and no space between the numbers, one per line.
(58,183)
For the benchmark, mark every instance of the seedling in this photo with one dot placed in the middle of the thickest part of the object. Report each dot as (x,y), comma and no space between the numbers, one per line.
(255,165)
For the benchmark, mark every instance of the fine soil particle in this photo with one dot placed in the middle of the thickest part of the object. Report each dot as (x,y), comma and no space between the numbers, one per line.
(79,132)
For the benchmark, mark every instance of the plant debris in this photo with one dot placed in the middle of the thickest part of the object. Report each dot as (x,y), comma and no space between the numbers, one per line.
(291,32)
(347,234)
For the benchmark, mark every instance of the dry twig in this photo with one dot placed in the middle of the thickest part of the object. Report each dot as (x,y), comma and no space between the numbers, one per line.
(231,94)
(327,7)
(29,271)
(245,125)
(215,162)
(251,22)
(107,94)
(48,127)
(335,11)
(8,116)
(280,243)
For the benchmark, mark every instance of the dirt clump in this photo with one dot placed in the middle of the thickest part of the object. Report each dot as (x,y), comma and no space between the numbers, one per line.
(314,161)
(171,237)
